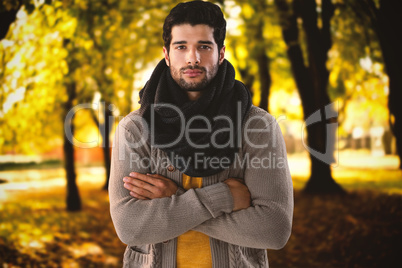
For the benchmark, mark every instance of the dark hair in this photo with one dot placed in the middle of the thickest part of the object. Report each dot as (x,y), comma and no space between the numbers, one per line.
(194,13)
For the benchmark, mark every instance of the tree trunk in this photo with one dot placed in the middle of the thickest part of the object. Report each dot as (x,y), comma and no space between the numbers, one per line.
(388,30)
(105,132)
(6,18)
(248,79)
(311,82)
(73,197)
(104,85)
(263,67)
(257,51)
(387,22)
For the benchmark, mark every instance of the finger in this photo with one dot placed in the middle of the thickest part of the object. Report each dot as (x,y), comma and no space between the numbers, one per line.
(135,191)
(157,176)
(140,192)
(234,180)
(159,180)
(138,196)
(133,182)
(146,178)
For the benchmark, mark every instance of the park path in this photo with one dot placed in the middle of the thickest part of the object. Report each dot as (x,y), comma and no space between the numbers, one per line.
(18,181)
(351,168)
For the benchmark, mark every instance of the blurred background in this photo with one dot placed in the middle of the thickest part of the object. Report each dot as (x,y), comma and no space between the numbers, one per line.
(70,70)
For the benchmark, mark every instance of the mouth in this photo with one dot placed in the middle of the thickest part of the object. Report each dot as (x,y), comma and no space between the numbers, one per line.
(192,72)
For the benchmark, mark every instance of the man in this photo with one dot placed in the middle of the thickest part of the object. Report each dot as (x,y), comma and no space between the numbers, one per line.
(199,175)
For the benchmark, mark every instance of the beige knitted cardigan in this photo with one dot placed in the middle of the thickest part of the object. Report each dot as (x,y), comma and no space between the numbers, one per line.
(237,239)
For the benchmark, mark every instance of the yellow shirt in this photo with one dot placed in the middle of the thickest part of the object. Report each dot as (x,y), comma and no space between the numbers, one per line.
(193,249)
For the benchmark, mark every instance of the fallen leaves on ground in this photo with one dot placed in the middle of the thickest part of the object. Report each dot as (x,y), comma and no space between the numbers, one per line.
(37,231)
(361,229)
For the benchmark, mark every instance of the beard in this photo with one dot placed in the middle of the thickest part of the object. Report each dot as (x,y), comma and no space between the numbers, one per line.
(177,75)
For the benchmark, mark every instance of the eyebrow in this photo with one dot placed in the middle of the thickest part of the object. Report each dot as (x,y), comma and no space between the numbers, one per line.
(199,42)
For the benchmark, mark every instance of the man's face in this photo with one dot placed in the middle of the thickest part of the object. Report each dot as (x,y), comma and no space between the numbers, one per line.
(193,58)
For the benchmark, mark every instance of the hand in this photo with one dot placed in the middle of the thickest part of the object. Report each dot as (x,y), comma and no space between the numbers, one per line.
(149,186)
(240,193)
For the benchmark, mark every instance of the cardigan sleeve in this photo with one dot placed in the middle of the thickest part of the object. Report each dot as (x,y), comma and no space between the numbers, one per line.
(139,222)
(267,222)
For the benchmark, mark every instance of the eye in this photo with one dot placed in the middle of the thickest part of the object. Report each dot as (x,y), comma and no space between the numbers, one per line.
(180,47)
(205,47)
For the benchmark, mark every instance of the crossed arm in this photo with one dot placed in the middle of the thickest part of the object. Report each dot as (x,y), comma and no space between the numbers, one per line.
(151,186)
(146,209)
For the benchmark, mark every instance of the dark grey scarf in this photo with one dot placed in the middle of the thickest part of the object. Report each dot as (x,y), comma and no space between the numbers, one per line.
(219,98)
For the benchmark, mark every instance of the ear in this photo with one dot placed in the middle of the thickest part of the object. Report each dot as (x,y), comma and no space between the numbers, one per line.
(221,55)
(165,51)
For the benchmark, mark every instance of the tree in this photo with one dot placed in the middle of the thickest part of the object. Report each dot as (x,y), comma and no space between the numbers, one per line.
(41,70)
(386,21)
(65,54)
(311,79)
(121,39)
(357,82)
(254,43)
(8,14)
(73,199)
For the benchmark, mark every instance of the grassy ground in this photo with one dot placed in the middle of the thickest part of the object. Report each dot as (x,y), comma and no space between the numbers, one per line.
(360,229)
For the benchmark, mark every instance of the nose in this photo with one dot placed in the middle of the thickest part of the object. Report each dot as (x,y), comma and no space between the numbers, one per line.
(193,57)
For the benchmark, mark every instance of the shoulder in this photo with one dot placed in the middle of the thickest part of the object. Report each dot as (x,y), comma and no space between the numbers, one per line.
(133,128)
(258,117)
(260,132)
(133,133)
(133,122)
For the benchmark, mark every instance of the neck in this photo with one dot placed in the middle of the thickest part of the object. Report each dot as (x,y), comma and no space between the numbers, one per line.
(194,95)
